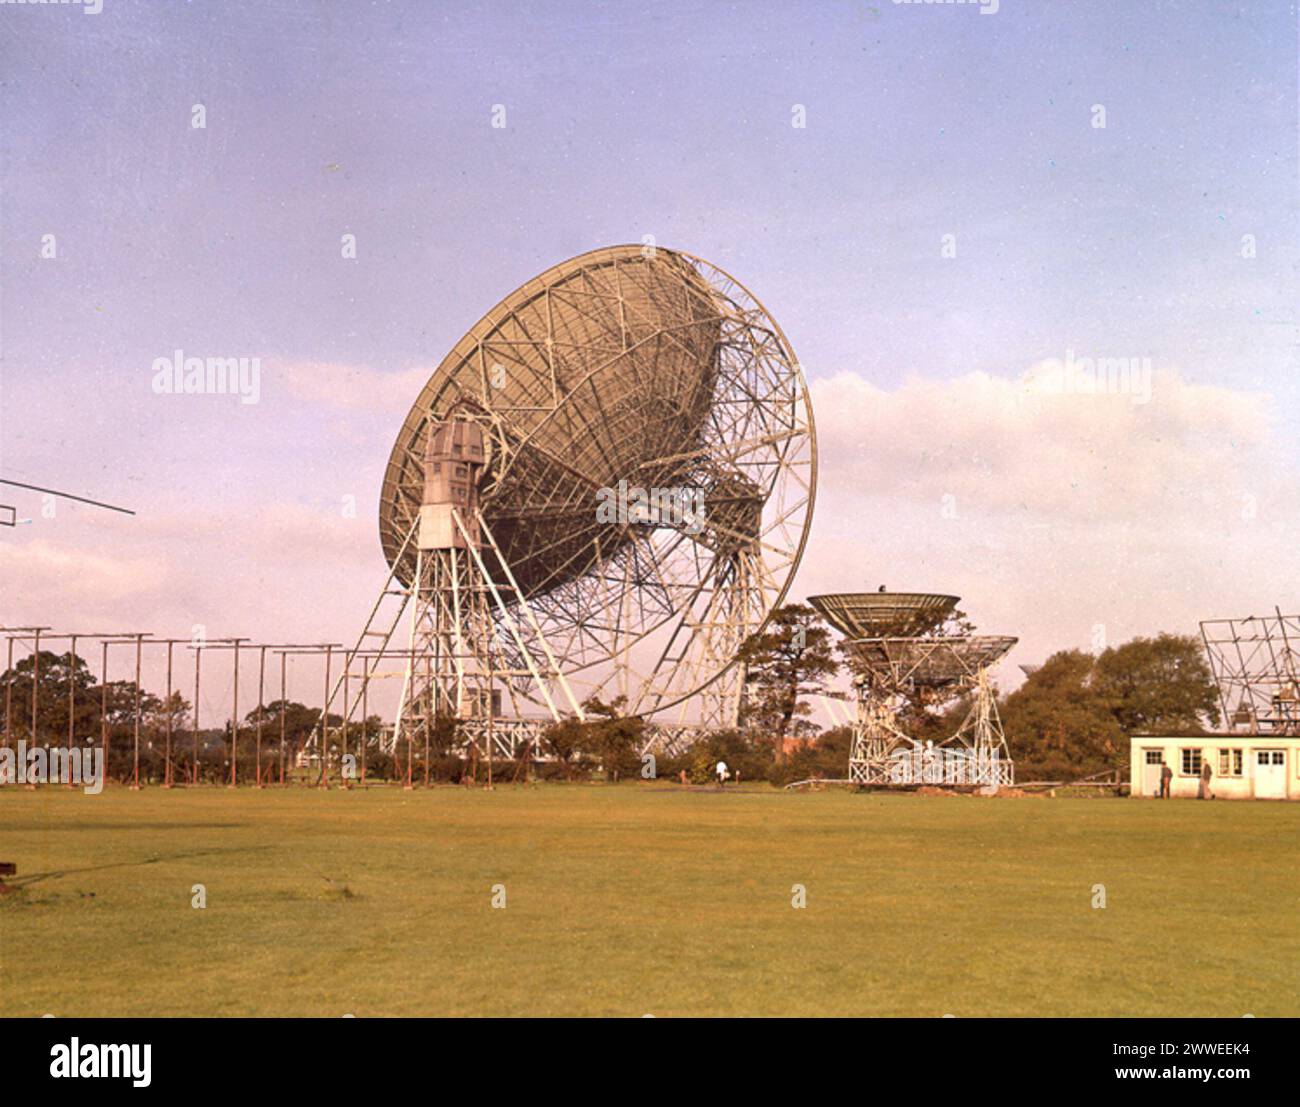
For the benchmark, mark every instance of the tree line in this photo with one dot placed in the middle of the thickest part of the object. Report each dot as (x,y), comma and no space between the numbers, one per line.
(1072,717)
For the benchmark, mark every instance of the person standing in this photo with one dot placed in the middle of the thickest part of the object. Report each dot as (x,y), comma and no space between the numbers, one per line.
(1166,778)
(722,773)
(1207,773)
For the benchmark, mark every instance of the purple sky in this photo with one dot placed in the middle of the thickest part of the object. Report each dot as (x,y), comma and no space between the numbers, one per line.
(942,468)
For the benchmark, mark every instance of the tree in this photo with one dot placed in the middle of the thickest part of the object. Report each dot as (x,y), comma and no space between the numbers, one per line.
(1057,725)
(612,738)
(156,712)
(120,696)
(1160,684)
(748,756)
(53,679)
(564,740)
(790,659)
(826,759)
(299,722)
(1074,716)
(608,738)
(93,706)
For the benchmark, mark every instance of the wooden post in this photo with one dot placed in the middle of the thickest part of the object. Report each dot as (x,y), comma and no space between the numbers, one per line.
(234,725)
(167,751)
(135,769)
(347,710)
(194,768)
(325,723)
(36,679)
(103,706)
(284,660)
(365,714)
(9,694)
(261,702)
(72,697)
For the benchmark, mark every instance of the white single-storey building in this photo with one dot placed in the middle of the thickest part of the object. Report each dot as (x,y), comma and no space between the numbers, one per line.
(1242,766)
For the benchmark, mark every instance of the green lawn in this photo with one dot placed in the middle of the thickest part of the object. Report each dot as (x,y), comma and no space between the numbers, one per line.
(644,899)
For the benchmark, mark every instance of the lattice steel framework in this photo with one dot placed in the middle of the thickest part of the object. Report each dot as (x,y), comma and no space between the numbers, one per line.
(910,661)
(892,671)
(1256,664)
(628,368)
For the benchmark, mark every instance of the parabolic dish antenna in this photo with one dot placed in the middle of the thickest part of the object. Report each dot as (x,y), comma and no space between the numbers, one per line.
(901,657)
(884,614)
(620,374)
(928,662)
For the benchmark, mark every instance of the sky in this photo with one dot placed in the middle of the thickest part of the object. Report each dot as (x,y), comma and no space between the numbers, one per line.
(951,223)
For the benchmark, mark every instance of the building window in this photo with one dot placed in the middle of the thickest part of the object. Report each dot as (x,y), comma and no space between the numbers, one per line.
(1155,757)
(1191,762)
(1230,762)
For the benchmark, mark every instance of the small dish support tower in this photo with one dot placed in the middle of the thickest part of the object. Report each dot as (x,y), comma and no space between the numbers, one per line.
(900,655)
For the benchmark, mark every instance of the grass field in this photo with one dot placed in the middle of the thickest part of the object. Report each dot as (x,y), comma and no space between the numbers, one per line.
(644,899)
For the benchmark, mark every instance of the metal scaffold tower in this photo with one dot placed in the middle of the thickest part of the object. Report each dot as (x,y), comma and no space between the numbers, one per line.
(1256,664)
(470,627)
(901,658)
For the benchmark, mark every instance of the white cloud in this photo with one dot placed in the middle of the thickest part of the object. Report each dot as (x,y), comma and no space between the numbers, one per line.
(1003,446)
(46,574)
(1055,514)
(352,387)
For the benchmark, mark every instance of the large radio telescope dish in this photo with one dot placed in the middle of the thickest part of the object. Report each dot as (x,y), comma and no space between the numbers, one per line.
(646,366)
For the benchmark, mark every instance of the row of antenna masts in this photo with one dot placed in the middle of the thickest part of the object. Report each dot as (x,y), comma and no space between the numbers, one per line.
(346,736)
(1256,664)
(24,718)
